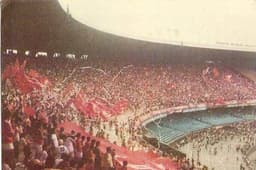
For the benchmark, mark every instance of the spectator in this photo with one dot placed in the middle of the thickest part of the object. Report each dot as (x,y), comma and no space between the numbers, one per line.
(69,143)
(62,149)
(78,146)
(108,160)
(8,139)
(97,162)
(124,166)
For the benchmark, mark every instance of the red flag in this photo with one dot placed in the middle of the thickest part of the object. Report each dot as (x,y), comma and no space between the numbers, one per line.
(22,82)
(25,83)
(137,159)
(121,105)
(43,117)
(82,106)
(102,109)
(38,79)
(22,67)
(216,72)
(7,73)
(104,105)
(10,107)
(17,63)
(33,73)
(29,111)
(89,110)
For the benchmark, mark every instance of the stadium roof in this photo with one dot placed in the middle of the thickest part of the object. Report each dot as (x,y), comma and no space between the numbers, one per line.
(43,25)
(226,24)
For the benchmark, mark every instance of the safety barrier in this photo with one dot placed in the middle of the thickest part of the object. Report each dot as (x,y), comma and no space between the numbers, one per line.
(145,119)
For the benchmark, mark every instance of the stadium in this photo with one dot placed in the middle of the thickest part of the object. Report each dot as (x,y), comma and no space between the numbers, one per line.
(123,85)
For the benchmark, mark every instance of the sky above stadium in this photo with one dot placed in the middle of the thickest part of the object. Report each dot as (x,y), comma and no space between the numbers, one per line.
(225,24)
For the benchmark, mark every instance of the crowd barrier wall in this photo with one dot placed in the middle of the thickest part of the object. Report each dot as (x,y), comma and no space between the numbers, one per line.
(145,119)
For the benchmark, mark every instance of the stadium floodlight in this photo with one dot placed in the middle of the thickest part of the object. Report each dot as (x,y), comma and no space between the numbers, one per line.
(71,56)
(11,51)
(225,24)
(209,62)
(84,57)
(41,54)
(56,55)
(15,51)
(27,53)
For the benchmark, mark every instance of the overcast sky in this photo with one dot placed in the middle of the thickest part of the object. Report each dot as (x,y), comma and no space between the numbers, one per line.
(215,23)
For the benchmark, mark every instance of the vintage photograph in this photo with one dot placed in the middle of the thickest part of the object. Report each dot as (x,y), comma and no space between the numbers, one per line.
(128,84)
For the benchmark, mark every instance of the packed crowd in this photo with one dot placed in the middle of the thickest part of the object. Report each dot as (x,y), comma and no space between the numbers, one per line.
(212,141)
(149,85)
(30,143)
(34,142)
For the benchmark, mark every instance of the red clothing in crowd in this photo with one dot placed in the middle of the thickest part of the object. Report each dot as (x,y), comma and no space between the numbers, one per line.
(8,132)
(38,138)
(79,145)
